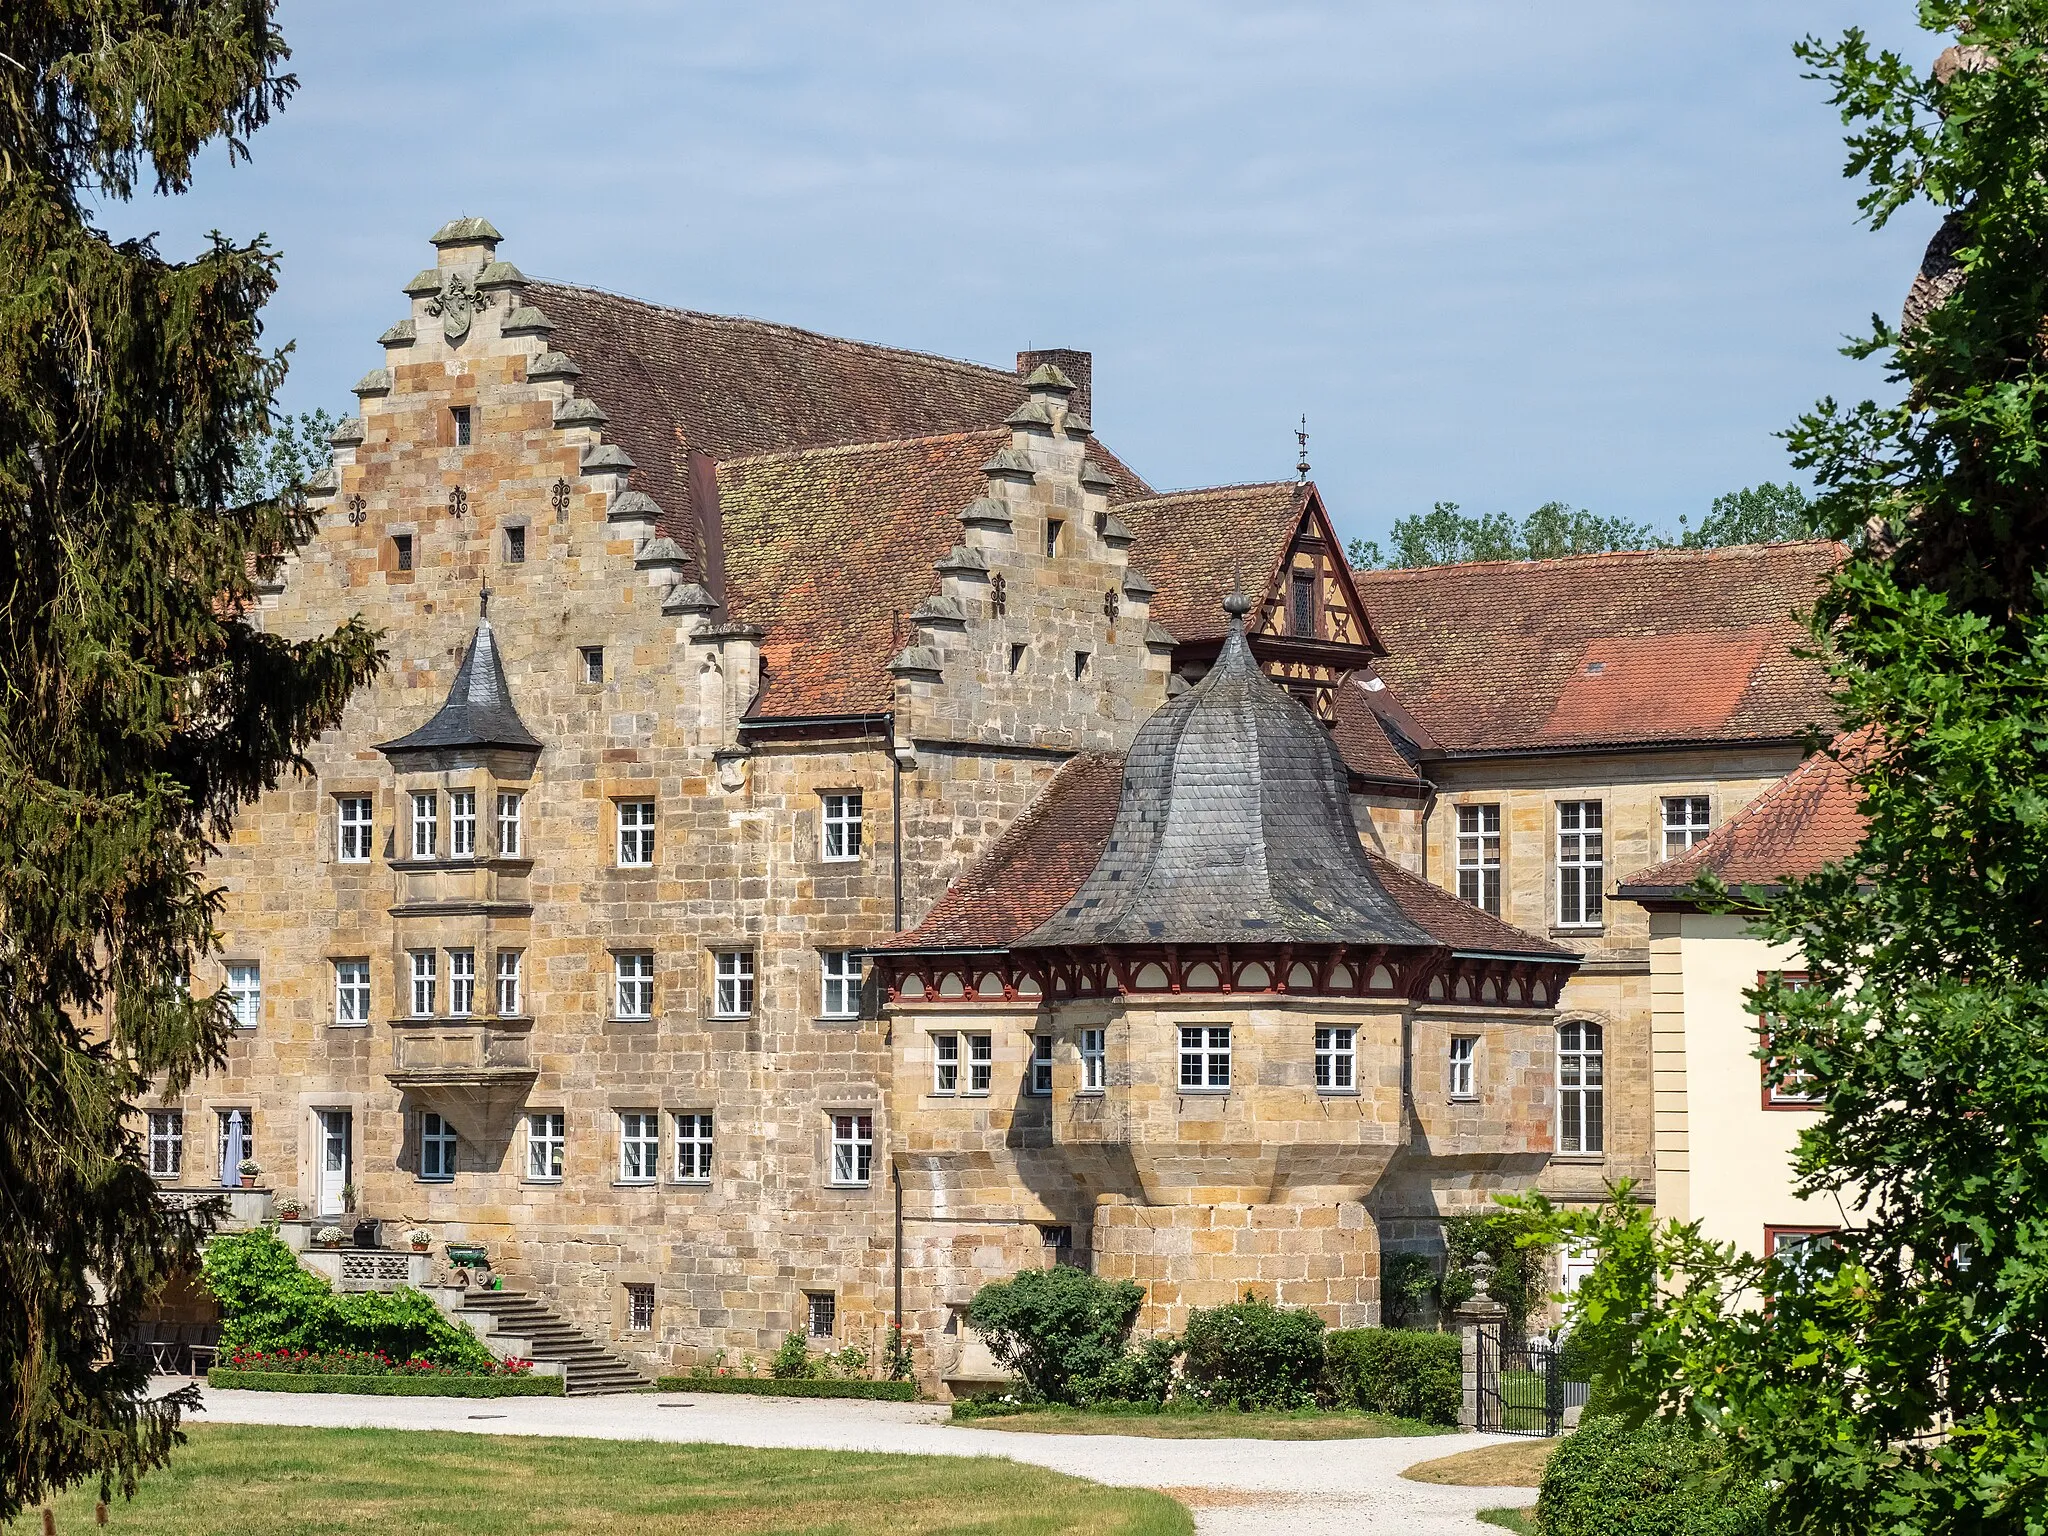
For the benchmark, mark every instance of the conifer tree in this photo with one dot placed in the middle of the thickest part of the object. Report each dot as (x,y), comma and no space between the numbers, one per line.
(139,705)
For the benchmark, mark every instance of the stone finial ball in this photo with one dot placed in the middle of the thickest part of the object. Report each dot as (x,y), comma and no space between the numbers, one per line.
(1237,605)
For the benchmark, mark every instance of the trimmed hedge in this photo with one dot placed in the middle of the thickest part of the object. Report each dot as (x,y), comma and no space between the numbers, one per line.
(388,1386)
(1605,1479)
(769,1386)
(1404,1372)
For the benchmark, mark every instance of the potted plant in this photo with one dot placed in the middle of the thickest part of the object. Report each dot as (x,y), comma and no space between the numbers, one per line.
(348,1197)
(328,1237)
(249,1169)
(290,1207)
(420,1238)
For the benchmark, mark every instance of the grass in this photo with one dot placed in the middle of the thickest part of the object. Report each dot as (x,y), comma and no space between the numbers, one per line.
(1521,1521)
(1517,1464)
(261,1481)
(1205,1424)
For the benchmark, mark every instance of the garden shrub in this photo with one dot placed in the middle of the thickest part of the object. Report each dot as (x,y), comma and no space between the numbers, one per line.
(1407,1288)
(1057,1328)
(793,1361)
(268,1302)
(1605,1479)
(1518,1278)
(1400,1371)
(1142,1374)
(1253,1354)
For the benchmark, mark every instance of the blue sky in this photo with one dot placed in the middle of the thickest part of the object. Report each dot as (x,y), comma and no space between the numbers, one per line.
(1498,252)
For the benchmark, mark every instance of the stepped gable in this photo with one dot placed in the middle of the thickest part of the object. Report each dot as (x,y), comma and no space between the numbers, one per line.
(1606,650)
(478,711)
(1806,820)
(1235,825)
(1199,545)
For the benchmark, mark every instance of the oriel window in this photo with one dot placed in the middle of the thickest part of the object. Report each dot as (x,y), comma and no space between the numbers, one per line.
(509,961)
(426,823)
(461,982)
(462,824)
(424,979)
(510,840)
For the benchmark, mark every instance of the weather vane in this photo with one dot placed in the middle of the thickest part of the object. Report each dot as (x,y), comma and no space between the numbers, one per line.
(1301,437)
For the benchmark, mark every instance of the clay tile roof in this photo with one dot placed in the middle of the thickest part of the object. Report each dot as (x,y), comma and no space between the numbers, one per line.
(1459,924)
(1806,820)
(1620,649)
(1363,739)
(1037,864)
(1197,544)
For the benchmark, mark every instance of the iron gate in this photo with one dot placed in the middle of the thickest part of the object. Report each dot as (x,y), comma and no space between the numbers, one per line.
(1521,1388)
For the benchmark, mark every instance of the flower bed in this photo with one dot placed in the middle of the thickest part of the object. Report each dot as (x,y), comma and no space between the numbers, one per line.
(423,1385)
(769,1386)
(352,1362)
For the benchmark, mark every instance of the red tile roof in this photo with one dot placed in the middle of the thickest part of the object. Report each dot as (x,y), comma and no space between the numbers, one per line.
(1039,863)
(1594,650)
(1804,821)
(1034,868)
(1197,545)
(1363,740)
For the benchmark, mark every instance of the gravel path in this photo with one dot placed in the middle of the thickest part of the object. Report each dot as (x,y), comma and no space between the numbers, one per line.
(1235,1487)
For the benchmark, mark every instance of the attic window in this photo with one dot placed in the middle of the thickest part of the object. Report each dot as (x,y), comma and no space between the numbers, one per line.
(461,415)
(1595,668)
(515,546)
(1052,536)
(401,547)
(1304,604)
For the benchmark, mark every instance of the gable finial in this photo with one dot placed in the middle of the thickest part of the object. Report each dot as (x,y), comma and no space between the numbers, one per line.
(484,600)
(1301,437)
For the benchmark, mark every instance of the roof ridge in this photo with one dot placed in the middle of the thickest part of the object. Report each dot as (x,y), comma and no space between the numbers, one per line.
(938,359)
(1669,552)
(1218,490)
(826,450)
(1815,764)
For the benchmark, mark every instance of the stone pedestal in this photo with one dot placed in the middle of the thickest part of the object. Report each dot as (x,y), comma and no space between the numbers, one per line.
(1479,1323)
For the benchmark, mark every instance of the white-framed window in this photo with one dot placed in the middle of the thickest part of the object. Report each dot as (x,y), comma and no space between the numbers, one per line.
(1479,856)
(166,1143)
(1094,1060)
(1041,1065)
(821,1314)
(842,826)
(1204,1056)
(509,961)
(853,1148)
(547,1144)
(221,1120)
(1686,821)
(352,991)
(425,976)
(245,993)
(593,663)
(1461,1077)
(640,1309)
(633,985)
(462,824)
(945,1064)
(636,834)
(639,1146)
(353,827)
(839,992)
(461,982)
(693,1146)
(732,990)
(509,840)
(426,823)
(1783,1090)
(1581,1087)
(437,1148)
(1336,1058)
(981,1063)
(1581,863)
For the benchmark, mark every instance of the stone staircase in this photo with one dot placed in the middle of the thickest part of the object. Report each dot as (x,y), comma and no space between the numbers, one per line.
(516,1323)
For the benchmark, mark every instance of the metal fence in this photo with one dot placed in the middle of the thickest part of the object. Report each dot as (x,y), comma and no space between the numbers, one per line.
(1521,1388)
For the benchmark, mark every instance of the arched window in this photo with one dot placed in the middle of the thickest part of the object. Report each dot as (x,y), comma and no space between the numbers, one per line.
(1581,1088)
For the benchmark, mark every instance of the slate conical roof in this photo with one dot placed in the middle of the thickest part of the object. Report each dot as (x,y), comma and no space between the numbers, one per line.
(1235,826)
(478,711)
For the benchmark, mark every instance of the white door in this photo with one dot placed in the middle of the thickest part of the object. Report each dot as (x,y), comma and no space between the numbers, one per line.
(336,1156)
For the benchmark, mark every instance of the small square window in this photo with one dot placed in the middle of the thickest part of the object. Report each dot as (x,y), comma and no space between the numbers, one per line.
(515,546)
(822,1313)
(546,1142)
(633,975)
(1463,1078)
(461,415)
(733,983)
(1336,1059)
(245,993)
(1041,1065)
(640,1309)
(593,663)
(401,551)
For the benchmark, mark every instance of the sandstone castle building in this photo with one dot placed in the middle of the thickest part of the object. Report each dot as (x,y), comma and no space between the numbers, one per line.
(829,834)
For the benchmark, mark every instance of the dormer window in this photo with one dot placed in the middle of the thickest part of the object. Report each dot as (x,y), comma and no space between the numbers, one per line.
(461,415)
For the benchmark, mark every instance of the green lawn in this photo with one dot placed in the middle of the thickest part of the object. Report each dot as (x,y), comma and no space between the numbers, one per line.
(1205,1424)
(255,1481)
(1520,1521)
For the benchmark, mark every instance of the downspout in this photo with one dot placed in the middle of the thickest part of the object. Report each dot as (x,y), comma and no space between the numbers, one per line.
(896,860)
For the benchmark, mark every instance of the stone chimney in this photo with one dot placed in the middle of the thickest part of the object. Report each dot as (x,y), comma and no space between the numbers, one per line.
(1078,366)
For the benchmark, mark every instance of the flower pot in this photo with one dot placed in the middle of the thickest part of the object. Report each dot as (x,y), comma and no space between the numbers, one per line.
(248,1181)
(422,1247)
